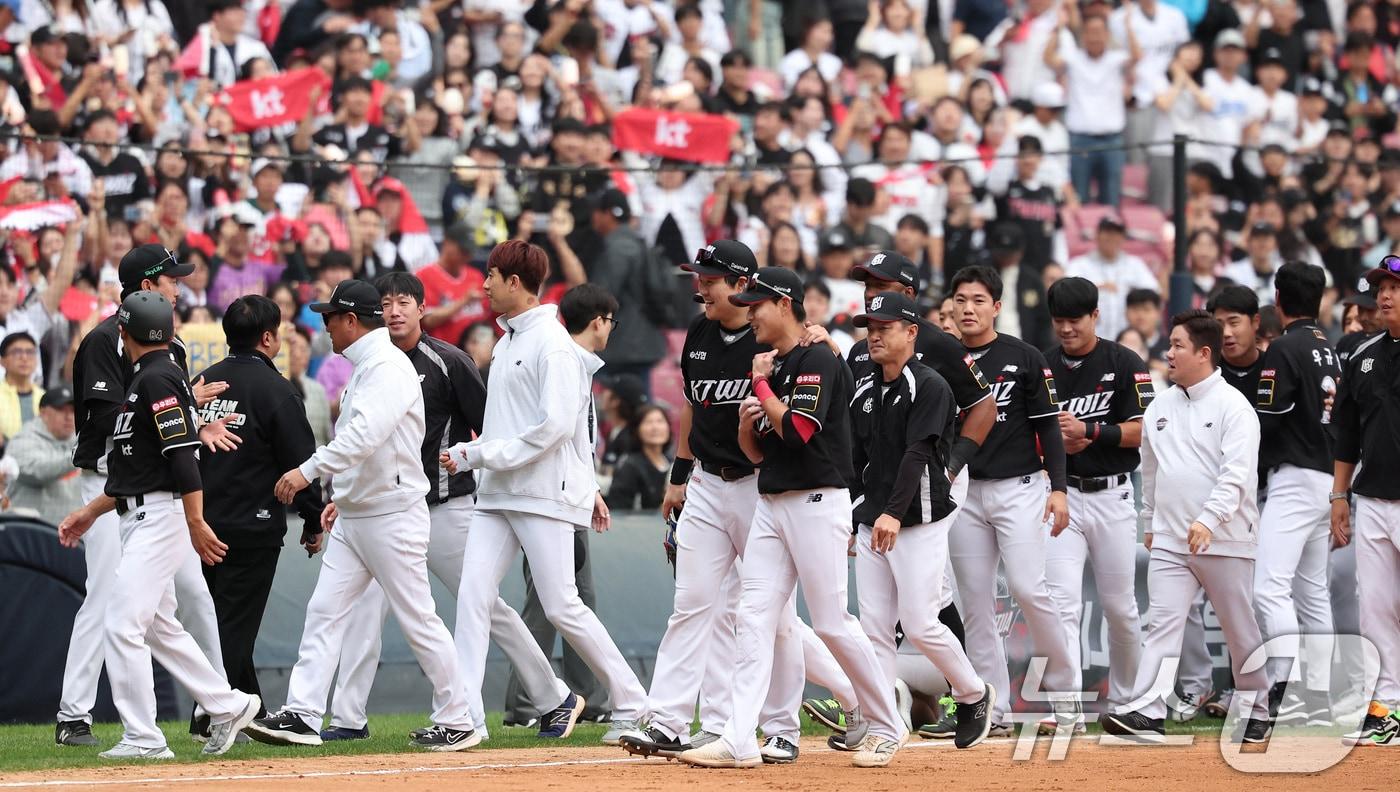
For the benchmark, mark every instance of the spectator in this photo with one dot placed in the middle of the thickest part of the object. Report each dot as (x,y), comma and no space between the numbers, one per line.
(1144,313)
(893,31)
(783,248)
(479,341)
(235,274)
(1256,270)
(452,288)
(1033,205)
(1238,104)
(1115,272)
(620,271)
(838,258)
(230,49)
(1026,315)
(639,480)
(1204,260)
(1044,124)
(905,184)
(858,227)
(817,302)
(313,395)
(1158,29)
(19,395)
(46,482)
(1184,106)
(817,37)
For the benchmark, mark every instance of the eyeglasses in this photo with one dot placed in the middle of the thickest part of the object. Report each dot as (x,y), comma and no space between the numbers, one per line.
(614,321)
(25,352)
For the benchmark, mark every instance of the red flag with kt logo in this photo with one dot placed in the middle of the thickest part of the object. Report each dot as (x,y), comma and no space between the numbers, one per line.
(692,137)
(273,101)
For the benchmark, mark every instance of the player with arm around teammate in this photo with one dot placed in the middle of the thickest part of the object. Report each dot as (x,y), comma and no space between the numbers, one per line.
(905,509)
(155,487)
(1104,390)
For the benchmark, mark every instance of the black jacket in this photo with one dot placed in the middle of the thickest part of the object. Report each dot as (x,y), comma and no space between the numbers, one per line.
(238,499)
(619,270)
(907,437)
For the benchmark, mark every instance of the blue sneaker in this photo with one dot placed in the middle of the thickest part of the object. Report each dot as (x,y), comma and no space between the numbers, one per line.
(344,733)
(559,723)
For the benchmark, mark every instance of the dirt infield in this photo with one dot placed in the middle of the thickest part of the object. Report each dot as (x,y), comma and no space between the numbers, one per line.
(1089,765)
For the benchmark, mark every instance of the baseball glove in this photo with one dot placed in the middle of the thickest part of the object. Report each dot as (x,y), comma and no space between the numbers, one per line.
(668,543)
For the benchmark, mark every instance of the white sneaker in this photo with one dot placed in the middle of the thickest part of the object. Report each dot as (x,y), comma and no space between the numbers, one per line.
(904,704)
(716,754)
(876,751)
(618,728)
(778,750)
(222,735)
(128,751)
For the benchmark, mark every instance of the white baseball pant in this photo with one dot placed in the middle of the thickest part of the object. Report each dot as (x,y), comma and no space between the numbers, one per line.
(1102,529)
(1346,614)
(1290,574)
(493,542)
(1196,672)
(392,550)
(140,623)
(1376,532)
(801,537)
(102,548)
(1002,519)
(895,587)
(359,655)
(1173,581)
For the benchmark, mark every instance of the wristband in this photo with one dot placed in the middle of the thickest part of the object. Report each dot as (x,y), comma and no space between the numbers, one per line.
(1337,496)
(1091,431)
(1107,435)
(680,470)
(964,449)
(763,390)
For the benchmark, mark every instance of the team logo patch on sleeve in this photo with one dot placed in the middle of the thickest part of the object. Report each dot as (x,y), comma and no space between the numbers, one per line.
(1145,392)
(171,423)
(805,398)
(809,379)
(1050,386)
(167,402)
(1266,388)
(972,366)
(1142,376)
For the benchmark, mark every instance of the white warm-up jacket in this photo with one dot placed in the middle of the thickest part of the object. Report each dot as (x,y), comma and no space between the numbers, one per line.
(538,414)
(376,456)
(1200,460)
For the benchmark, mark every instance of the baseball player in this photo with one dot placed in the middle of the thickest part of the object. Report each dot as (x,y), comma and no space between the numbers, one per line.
(1009,499)
(101,375)
(905,509)
(796,429)
(1297,391)
(1368,434)
(155,487)
(1236,308)
(453,399)
(536,457)
(381,530)
(1200,454)
(1104,390)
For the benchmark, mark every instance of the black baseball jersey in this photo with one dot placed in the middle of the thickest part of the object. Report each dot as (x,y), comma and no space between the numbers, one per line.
(454,399)
(1297,391)
(1245,380)
(1367,415)
(375,139)
(1348,344)
(156,418)
(238,498)
(1110,385)
(895,416)
(1024,388)
(1035,208)
(101,374)
(940,352)
(715,371)
(813,382)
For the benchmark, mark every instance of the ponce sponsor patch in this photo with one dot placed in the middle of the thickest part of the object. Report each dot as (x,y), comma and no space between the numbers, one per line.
(171,423)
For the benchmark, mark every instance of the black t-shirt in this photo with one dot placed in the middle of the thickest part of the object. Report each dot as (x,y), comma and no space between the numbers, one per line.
(123,179)
(728,104)
(1348,344)
(454,399)
(155,419)
(101,374)
(715,372)
(894,416)
(1024,388)
(1367,414)
(940,352)
(1298,378)
(813,382)
(375,139)
(1245,380)
(1110,385)
(1037,211)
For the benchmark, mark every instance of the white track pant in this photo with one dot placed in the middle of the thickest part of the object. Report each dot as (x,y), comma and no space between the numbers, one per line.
(801,537)
(1376,532)
(493,542)
(1173,581)
(1102,529)
(1290,573)
(1002,520)
(102,547)
(141,623)
(1196,672)
(390,549)
(896,587)
(359,656)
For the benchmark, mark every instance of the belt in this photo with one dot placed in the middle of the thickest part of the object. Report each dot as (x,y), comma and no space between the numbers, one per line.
(1097,484)
(727,473)
(126,504)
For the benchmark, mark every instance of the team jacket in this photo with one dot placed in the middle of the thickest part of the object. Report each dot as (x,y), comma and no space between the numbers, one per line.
(454,398)
(915,412)
(1110,385)
(814,382)
(375,456)
(238,498)
(715,372)
(1200,462)
(1367,414)
(1297,391)
(156,418)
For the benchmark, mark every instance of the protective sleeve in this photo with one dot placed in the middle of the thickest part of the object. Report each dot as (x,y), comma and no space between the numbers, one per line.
(912,469)
(184,463)
(1052,445)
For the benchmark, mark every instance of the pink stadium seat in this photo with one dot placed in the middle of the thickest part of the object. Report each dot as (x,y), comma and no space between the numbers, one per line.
(1135,182)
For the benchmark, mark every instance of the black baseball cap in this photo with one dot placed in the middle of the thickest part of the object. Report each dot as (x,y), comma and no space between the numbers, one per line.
(44,35)
(888,266)
(1362,299)
(1029,144)
(149,261)
(770,283)
(1071,298)
(1112,221)
(836,239)
(888,306)
(725,258)
(1006,237)
(1271,56)
(62,396)
(1392,210)
(614,203)
(860,191)
(461,235)
(1311,86)
(351,296)
(1263,228)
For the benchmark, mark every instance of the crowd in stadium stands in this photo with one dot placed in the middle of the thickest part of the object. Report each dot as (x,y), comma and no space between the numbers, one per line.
(1033,135)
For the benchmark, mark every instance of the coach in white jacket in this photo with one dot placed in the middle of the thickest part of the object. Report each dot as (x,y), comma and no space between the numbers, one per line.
(1200,458)
(381,530)
(537,480)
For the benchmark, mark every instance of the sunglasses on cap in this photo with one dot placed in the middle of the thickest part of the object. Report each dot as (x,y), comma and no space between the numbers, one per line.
(1390,264)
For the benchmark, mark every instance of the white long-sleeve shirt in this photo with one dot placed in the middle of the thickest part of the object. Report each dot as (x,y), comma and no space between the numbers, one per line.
(376,456)
(1204,442)
(1115,279)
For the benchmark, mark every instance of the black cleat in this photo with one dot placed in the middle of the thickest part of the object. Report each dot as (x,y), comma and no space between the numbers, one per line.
(77,733)
(441,738)
(975,719)
(654,742)
(1134,726)
(283,728)
(1257,731)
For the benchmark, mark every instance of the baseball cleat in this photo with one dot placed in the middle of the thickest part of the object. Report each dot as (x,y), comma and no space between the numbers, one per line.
(1220,707)
(1286,707)
(1378,721)
(1185,707)
(1050,725)
(341,733)
(975,719)
(703,738)
(837,742)
(1133,726)
(1389,733)
(443,739)
(777,750)
(528,723)
(827,712)
(947,726)
(1256,731)
(876,751)
(618,728)
(76,732)
(223,735)
(128,751)
(856,728)
(717,755)
(654,742)
(283,728)
(1001,730)
(904,704)
(559,722)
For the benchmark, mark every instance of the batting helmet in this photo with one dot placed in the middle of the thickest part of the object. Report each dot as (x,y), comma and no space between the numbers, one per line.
(148,317)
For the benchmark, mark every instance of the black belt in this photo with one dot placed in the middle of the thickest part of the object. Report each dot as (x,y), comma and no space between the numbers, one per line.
(727,473)
(1097,484)
(126,504)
